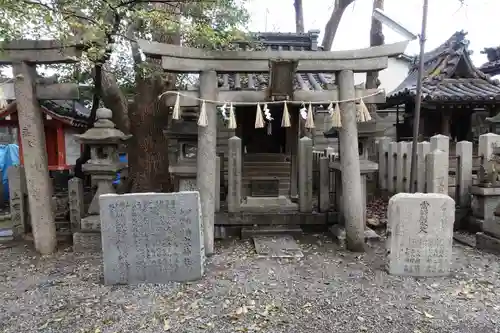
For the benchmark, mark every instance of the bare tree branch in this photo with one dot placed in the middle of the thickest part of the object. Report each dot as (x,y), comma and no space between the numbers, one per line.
(333,23)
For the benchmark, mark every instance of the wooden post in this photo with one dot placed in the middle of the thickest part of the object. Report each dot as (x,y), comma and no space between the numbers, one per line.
(35,159)
(351,177)
(206,164)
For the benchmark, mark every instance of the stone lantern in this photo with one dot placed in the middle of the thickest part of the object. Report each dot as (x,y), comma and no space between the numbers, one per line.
(104,164)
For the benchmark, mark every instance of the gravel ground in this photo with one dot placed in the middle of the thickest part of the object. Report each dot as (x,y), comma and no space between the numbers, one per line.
(327,290)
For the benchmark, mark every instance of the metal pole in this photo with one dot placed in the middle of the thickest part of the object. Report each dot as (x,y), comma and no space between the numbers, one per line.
(418,100)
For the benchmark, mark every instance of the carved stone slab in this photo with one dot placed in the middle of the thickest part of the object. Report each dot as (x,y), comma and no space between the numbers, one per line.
(421,238)
(152,237)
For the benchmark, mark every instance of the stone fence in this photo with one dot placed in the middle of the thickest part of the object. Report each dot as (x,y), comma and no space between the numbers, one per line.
(438,171)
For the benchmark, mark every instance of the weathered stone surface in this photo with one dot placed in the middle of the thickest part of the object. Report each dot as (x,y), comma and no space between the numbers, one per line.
(187,184)
(423,149)
(421,228)
(324,184)
(76,202)
(234,175)
(437,172)
(206,160)
(305,174)
(18,204)
(464,170)
(152,237)
(86,242)
(38,181)
(91,223)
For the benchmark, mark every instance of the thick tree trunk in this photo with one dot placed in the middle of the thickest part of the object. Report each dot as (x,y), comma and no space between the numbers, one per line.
(333,23)
(115,100)
(148,150)
(376,38)
(299,16)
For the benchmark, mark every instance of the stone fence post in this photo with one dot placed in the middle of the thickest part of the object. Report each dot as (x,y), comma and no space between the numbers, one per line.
(234,175)
(76,202)
(423,149)
(17,200)
(486,144)
(324,184)
(403,161)
(464,173)
(437,172)
(391,167)
(383,162)
(305,175)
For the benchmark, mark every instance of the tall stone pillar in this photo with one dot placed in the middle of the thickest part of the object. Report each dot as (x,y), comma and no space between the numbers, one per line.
(349,160)
(305,175)
(206,164)
(36,168)
(234,175)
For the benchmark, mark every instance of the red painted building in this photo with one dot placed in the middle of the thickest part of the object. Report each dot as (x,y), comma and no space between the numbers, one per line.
(62,119)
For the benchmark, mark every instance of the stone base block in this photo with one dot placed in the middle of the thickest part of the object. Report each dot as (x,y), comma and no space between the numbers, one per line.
(487,243)
(339,235)
(87,242)
(91,223)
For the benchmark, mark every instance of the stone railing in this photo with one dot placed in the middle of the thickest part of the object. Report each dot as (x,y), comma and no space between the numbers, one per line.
(438,171)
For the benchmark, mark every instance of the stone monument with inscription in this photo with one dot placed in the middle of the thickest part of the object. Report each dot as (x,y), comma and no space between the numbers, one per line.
(152,237)
(421,234)
(104,141)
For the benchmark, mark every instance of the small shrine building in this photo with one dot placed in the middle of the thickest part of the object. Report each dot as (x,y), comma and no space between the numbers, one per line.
(62,120)
(456,95)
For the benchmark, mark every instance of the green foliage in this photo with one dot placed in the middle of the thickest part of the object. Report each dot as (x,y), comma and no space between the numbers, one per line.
(104,25)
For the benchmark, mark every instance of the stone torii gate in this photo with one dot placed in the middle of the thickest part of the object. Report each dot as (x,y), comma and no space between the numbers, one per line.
(280,65)
(24,55)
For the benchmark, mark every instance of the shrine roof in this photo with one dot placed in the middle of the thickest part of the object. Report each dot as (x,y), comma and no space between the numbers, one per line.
(71,113)
(274,41)
(491,67)
(449,76)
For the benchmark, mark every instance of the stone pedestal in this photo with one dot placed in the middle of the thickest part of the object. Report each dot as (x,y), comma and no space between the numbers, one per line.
(484,202)
(104,140)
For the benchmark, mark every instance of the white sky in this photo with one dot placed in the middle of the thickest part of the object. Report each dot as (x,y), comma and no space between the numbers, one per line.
(480,18)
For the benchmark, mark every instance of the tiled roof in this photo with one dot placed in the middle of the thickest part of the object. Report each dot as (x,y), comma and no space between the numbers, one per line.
(69,112)
(449,76)
(491,67)
(280,41)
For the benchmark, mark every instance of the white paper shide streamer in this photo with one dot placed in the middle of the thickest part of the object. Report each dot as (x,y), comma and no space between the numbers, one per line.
(176,114)
(285,120)
(310,118)
(203,119)
(259,120)
(232,118)
(363,114)
(336,119)
(3,101)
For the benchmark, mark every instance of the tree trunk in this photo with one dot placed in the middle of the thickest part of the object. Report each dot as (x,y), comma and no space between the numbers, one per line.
(148,149)
(376,38)
(299,16)
(115,100)
(333,23)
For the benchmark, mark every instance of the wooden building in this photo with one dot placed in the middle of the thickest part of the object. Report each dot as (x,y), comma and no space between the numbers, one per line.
(454,91)
(62,119)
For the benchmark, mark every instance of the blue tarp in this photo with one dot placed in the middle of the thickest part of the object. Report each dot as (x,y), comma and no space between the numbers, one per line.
(9,156)
(123,159)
